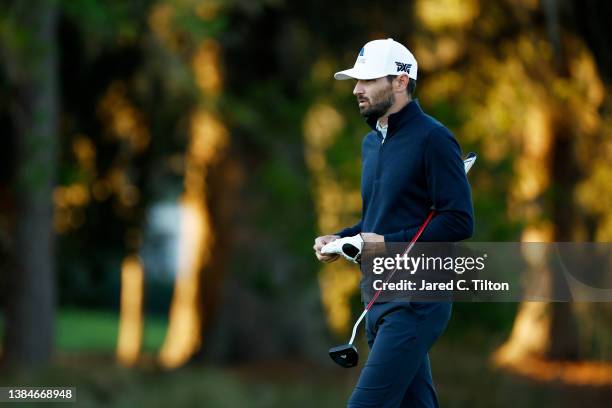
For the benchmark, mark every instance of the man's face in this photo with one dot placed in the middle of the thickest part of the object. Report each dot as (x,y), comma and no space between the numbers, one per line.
(374,96)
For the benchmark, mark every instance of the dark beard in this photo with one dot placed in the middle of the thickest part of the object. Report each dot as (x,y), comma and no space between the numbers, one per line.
(379,105)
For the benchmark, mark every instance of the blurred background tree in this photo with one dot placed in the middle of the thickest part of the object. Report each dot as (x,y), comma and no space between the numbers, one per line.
(30,66)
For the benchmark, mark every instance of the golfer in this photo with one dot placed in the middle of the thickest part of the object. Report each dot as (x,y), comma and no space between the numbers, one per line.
(411,163)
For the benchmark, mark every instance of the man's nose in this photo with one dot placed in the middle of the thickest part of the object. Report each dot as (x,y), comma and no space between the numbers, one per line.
(358,90)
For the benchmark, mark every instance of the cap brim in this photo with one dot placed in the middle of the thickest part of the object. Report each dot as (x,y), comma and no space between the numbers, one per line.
(353,73)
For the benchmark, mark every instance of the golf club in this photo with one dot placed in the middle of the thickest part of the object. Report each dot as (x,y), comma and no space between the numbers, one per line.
(346,355)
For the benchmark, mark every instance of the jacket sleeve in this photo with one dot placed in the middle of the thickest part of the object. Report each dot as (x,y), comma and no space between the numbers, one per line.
(350,231)
(449,192)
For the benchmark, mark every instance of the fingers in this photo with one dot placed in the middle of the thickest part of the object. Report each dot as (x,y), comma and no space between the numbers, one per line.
(319,243)
(327,258)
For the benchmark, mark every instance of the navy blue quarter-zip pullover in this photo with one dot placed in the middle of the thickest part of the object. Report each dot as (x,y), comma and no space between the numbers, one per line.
(417,168)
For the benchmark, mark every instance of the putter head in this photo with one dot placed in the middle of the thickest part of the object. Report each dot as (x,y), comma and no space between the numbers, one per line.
(345,355)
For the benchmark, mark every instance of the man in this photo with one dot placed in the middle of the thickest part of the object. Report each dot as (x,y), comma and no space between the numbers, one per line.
(410,163)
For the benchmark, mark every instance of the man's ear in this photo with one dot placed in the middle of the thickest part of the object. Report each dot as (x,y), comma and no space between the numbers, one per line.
(400,83)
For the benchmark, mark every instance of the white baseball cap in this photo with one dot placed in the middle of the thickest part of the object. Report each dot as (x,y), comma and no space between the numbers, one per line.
(380,58)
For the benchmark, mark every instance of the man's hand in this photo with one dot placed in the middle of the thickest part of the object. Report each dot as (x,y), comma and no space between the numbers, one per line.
(320,242)
(372,237)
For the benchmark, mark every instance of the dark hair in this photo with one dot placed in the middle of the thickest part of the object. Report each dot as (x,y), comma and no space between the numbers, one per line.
(410,89)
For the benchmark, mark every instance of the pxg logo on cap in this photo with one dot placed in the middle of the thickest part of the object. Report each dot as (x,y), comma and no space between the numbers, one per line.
(401,67)
(380,58)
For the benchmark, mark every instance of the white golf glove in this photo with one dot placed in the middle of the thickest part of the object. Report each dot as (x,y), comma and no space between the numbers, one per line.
(348,247)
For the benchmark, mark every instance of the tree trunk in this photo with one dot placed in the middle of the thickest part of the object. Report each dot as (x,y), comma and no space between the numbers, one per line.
(30,304)
(563,332)
(550,330)
(129,340)
(195,292)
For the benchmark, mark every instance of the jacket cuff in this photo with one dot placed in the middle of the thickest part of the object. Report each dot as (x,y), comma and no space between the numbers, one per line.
(399,236)
(344,233)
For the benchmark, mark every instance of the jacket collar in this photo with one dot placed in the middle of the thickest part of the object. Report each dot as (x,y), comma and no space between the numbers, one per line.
(399,118)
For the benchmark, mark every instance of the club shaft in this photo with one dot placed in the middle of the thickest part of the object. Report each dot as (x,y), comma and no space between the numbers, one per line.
(365,311)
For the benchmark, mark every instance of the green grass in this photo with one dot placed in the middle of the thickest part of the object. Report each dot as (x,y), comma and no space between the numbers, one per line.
(81,330)
(463,374)
(460,361)
(96,331)
(101,383)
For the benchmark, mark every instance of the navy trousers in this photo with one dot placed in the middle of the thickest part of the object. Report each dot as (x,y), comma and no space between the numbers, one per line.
(397,372)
